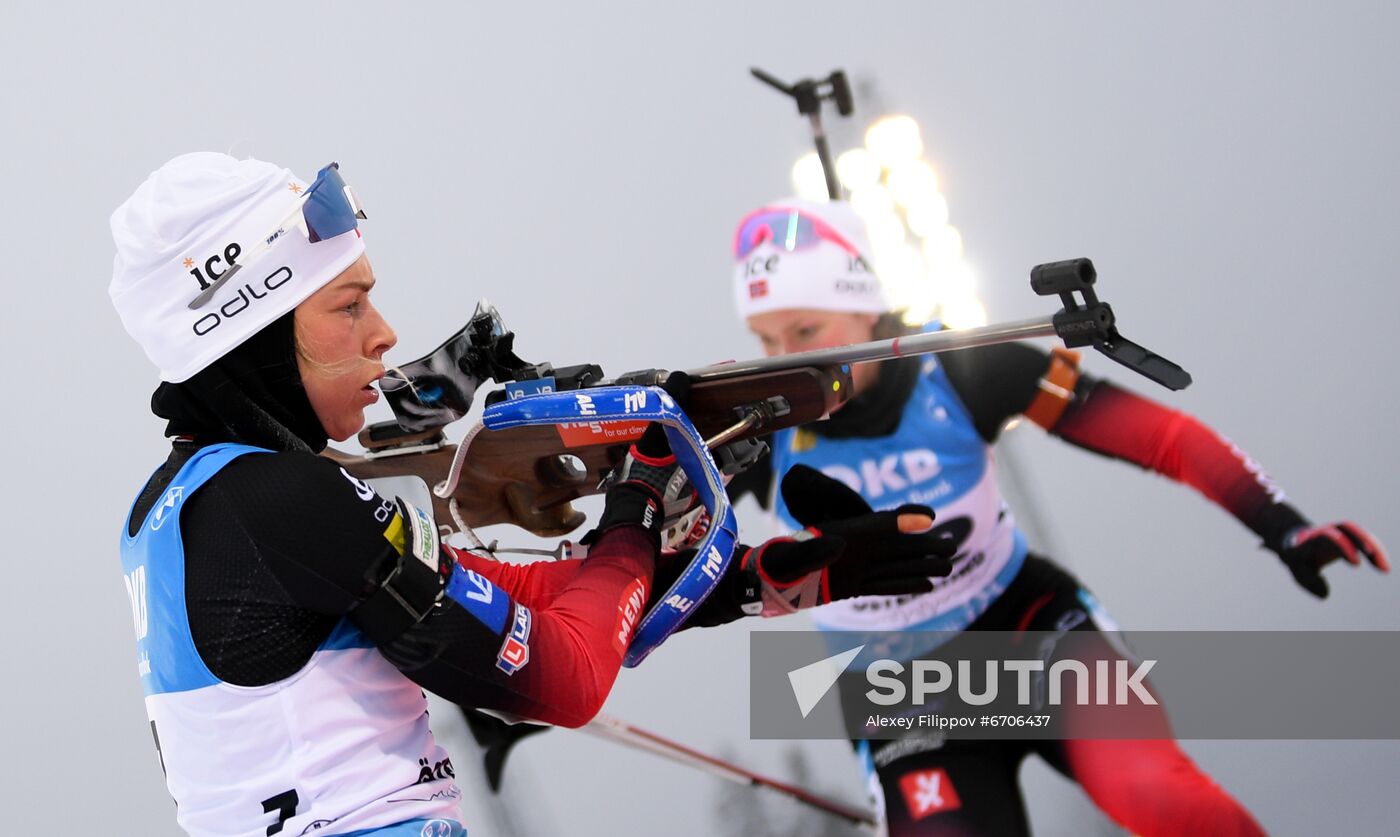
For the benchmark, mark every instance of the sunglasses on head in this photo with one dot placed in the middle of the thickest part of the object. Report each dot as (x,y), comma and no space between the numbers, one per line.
(789,229)
(326,209)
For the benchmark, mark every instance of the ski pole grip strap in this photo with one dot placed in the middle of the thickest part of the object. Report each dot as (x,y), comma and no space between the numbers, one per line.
(633,403)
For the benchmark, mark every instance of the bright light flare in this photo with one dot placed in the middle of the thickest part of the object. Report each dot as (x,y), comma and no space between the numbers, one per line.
(928,216)
(921,305)
(872,201)
(857,169)
(916,252)
(960,281)
(965,312)
(893,140)
(912,182)
(943,247)
(901,271)
(808,178)
(886,232)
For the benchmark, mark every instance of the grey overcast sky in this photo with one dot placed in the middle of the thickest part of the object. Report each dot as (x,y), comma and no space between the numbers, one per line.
(1230,167)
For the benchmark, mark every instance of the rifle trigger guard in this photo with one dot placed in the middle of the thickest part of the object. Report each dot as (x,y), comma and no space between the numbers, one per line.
(633,403)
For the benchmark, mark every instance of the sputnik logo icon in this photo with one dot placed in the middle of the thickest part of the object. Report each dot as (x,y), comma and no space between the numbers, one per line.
(811,682)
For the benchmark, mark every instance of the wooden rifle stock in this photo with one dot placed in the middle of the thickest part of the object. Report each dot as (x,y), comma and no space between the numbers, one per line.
(529,476)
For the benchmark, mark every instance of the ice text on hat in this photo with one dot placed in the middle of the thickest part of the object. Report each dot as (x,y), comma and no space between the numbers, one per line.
(230,254)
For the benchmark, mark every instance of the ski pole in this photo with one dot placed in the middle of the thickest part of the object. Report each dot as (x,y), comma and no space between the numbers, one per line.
(615,729)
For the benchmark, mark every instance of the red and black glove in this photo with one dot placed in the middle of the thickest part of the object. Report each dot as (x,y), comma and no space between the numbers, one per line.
(650,465)
(1305,550)
(648,485)
(643,486)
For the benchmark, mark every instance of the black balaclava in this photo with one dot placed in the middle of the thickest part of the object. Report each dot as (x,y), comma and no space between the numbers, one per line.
(251,395)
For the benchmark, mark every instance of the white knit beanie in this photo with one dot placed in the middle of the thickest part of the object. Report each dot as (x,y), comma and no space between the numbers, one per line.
(824,276)
(178,233)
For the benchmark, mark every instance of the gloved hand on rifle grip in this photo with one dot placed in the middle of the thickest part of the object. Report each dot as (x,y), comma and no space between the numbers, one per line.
(648,486)
(643,487)
(650,464)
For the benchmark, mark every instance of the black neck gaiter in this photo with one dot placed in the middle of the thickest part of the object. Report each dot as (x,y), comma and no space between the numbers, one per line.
(877,411)
(252,395)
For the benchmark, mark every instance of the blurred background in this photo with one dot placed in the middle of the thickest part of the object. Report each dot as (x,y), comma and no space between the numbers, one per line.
(1230,169)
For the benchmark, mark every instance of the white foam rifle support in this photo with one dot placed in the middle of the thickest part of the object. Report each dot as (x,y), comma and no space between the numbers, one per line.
(634,403)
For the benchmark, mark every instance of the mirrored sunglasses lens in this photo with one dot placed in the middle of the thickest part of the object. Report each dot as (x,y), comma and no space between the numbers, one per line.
(755,231)
(786,229)
(795,231)
(328,210)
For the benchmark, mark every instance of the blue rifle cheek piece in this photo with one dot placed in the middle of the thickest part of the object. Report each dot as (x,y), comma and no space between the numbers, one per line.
(633,403)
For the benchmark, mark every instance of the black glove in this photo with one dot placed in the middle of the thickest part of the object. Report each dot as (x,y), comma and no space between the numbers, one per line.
(1305,550)
(846,550)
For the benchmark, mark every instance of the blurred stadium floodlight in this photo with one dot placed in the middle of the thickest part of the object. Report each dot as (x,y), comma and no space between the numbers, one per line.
(917,253)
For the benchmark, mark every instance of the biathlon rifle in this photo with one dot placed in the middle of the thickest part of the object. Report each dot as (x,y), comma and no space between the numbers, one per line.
(529,475)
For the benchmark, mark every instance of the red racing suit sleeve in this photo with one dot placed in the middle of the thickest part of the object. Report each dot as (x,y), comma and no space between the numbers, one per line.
(997,383)
(1118,423)
(557,632)
(538,582)
(541,581)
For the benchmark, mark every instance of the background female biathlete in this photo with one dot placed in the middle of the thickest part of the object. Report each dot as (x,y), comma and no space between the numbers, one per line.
(919,430)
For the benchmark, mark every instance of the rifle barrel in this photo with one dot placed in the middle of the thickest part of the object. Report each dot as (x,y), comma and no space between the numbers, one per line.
(912,344)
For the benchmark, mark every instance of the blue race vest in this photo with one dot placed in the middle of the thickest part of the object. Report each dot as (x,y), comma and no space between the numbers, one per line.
(935,458)
(341,746)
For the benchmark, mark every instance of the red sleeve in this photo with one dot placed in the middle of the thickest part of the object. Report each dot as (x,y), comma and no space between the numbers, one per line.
(542,641)
(536,583)
(1118,423)
(581,634)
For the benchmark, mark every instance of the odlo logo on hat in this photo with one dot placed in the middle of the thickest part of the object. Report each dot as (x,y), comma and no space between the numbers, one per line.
(246,296)
(860,279)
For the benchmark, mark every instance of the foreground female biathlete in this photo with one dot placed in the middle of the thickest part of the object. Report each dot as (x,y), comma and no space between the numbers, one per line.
(920,430)
(287,614)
